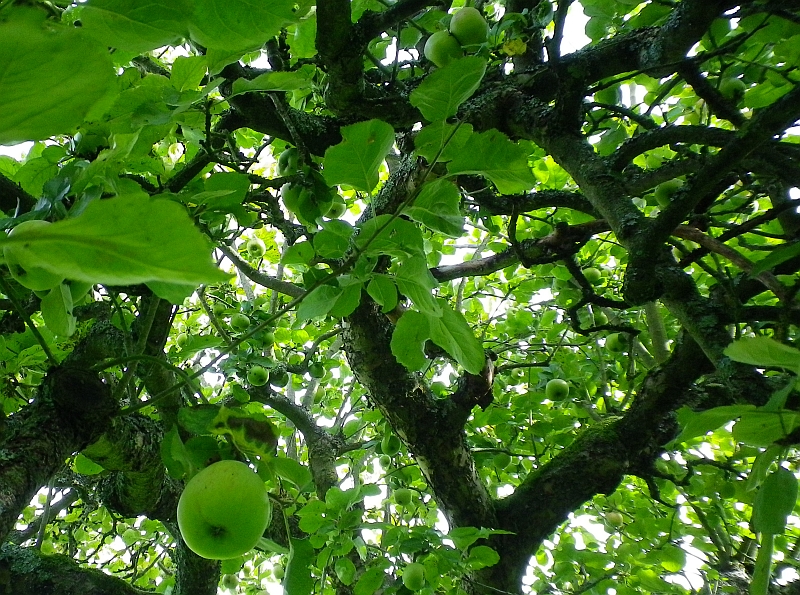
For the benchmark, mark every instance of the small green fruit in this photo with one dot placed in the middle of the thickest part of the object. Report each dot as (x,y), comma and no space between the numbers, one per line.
(414,576)
(732,88)
(385,461)
(255,247)
(181,340)
(557,389)
(287,162)
(219,309)
(338,208)
(230,582)
(279,378)
(593,275)
(240,322)
(257,376)
(615,518)
(278,572)
(600,318)
(442,48)
(390,445)
(615,343)
(469,27)
(402,496)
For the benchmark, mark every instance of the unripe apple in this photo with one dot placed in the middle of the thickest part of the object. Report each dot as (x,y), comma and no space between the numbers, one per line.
(279,377)
(257,376)
(181,340)
(593,275)
(223,511)
(732,88)
(390,445)
(414,576)
(35,278)
(385,461)
(230,582)
(615,518)
(502,460)
(240,322)
(278,572)
(402,496)
(442,48)
(557,389)
(469,27)
(255,247)
(338,208)
(287,162)
(316,370)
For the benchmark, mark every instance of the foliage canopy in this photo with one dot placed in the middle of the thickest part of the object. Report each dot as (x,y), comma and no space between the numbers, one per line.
(279,234)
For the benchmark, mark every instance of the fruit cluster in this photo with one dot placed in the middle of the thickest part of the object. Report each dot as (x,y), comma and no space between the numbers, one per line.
(309,198)
(468,30)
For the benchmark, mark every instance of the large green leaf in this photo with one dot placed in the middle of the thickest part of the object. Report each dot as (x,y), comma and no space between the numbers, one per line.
(763,351)
(275,81)
(493,155)
(408,340)
(49,77)
(356,160)
(452,333)
(238,24)
(415,281)
(121,241)
(298,579)
(441,141)
(437,207)
(440,94)
(136,25)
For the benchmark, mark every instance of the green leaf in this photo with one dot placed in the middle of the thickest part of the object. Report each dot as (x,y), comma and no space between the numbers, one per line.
(416,281)
(291,470)
(350,297)
(761,428)
(51,77)
(763,351)
(334,239)
(442,139)
(174,455)
(774,502)
(408,340)
(452,333)
(198,419)
(240,25)
(482,556)
(298,579)
(494,156)
(775,258)
(121,241)
(385,234)
(437,207)
(356,160)
(345,570)
(319,302)
(85,465)
(699,424)
(443,91)
(57,311)
(187,72)
(275,81)
(136,25)
(369,582)
(382,289)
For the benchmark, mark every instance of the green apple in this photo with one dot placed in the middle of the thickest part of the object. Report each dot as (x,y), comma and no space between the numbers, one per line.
(240,322)
(593,275)
(385,461)
(230,582)
(287,162)
(35,278)
(442,48)
(223,511)
(600,318)
(219,309)
(279,377)
(664,192)
(390,445)
(338,208)
(615,518)
(469,27)
(402,496)
(257,376)
(181,340)
(255,247)
(732,88)
(557,389)
(414,576)
(615,343)
(278,572)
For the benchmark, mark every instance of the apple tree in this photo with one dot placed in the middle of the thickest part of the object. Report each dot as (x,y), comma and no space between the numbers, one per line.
(497,298)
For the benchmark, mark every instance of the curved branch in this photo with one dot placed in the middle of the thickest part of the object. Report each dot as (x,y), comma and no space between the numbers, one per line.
(257,276)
